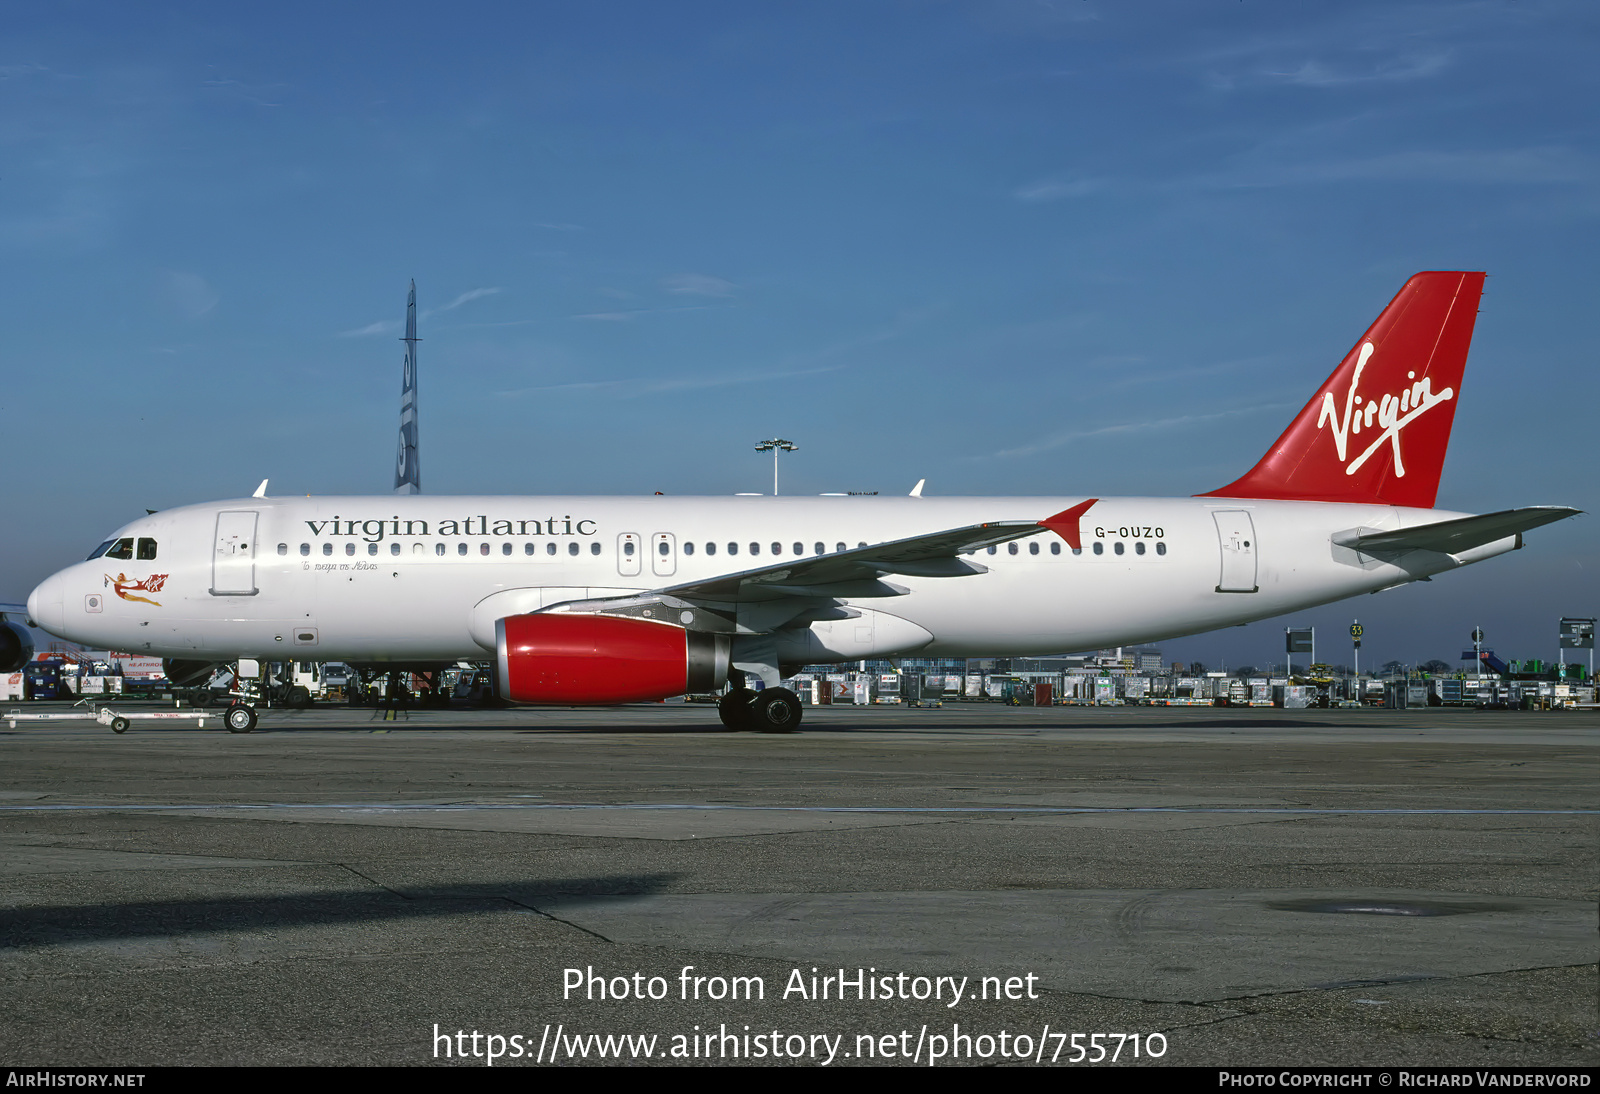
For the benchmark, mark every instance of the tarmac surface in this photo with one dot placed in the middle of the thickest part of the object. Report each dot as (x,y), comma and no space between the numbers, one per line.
(1206,886)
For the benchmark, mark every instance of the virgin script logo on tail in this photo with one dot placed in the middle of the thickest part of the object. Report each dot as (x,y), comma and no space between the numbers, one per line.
(1391,413)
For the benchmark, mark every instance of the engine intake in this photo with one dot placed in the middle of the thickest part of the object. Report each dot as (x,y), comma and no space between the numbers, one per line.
(601,659)
(16,647)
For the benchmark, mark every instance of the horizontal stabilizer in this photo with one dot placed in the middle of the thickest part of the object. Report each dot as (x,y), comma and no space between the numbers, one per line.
(1454,536)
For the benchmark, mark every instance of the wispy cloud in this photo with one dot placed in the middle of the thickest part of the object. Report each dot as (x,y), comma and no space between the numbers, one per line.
(1381,70)
(383,326)
(190,295)
(814,363)
(693,284)
(633,388)
(1058,189)
(1127,377)
(630,315)
(1504,166)
(469,295)
(1065,437)
(1346,47)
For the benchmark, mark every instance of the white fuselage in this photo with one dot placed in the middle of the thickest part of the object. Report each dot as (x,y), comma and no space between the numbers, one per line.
(398,579)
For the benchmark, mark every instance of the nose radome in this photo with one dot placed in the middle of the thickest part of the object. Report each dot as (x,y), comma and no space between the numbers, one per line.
(44,605)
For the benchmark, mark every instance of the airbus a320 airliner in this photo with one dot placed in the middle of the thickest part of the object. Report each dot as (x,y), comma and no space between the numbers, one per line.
(601,600)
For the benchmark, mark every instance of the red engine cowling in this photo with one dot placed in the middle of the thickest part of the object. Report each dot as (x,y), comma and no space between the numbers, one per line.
(557,658)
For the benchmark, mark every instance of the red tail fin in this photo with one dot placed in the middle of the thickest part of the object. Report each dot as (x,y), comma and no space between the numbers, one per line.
(1378,428)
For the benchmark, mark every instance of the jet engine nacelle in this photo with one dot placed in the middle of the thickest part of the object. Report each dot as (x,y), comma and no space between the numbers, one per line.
(16,647)
(558,658)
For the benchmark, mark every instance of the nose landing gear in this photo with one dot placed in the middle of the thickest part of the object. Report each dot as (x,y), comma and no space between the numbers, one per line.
(240,718)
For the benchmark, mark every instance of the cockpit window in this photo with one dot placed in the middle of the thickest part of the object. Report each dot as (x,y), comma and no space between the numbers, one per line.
(122,548)
(147,549)
(102,549)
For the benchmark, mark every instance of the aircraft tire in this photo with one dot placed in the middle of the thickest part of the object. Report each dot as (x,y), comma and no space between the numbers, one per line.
(119,725)
(734,709)
(240,718)
(776,710)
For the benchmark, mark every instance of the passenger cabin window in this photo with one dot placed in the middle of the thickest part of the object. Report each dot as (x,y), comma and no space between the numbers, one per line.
(1033,548)
(755,548)
(461,548)
(688,548)
(394,548)
(123,548)
(1055,548)
(1099,548)
(483,548)
(372,548)
(305,549)
(438,549)
(838,547)
(1138,547)
(711,548)
(349,548)
(1161,548)
(1011,548)
(1117,547)
(733,548)
(594,548)
(627,549)
(572,548)
(821,548)
(549,548)
(527,548)
(662,548)
(777,549)
(505,548)
(283,548)
(327,548)
(799,548)
(993,548)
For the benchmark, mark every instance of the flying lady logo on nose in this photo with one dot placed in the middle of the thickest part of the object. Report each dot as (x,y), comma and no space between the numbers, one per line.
(1391,413)
(125,588)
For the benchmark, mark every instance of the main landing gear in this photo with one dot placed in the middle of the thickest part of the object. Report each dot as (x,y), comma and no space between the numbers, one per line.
(771,710)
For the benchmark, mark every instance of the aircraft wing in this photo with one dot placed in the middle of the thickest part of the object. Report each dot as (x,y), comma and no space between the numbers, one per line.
(857,572)
(1455,536)
(13,609)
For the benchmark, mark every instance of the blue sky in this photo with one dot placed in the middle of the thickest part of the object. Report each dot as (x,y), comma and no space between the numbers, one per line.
(1014,248)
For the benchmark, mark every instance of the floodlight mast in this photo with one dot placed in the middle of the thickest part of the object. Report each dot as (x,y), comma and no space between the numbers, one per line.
(776,445)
